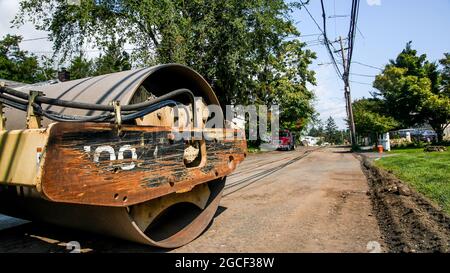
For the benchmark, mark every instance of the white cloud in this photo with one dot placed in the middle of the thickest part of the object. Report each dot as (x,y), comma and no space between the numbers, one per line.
(374,2)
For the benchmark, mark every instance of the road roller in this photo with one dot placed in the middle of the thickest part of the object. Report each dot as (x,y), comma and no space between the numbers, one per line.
(128,154)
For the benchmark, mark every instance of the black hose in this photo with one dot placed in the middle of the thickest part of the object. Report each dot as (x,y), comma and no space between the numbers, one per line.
(148,110)
(13,99)
(106,117)
(97,107)
(21,105)
(13,104)
(70,118)
(101,107)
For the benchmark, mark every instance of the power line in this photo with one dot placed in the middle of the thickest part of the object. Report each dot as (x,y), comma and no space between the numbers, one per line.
(360,33)
(85,51)
(35,39)
(351,33)
(367,65)
(319,41)
(346,62)
(363,75)
(351,46)
(365,83)
(327,41)
(337,16)
(312,17)
(309,35)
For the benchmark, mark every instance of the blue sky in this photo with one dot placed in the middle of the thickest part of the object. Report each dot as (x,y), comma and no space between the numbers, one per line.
(387,25)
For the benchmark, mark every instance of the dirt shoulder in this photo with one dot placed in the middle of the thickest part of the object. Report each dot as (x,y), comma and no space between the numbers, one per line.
(408,221)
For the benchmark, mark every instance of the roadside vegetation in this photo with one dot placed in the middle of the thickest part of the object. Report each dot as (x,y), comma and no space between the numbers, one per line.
(426,172)
(411,91)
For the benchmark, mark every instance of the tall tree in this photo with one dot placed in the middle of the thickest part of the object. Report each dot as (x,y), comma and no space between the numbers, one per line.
(331,131)
(246,50)
(371,119)
(81,67)
(19,65)
(445,73)
(412,90)
(113,60)
(316,126)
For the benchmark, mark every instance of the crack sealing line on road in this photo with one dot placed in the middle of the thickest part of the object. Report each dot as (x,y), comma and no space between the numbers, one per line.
(256,177)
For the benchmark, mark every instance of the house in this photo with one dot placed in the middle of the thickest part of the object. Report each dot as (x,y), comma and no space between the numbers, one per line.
(311,141)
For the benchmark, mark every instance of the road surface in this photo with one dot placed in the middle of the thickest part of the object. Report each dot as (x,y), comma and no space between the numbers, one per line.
(301,201)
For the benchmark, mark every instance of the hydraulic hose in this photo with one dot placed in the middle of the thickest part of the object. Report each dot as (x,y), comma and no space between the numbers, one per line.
(14,97)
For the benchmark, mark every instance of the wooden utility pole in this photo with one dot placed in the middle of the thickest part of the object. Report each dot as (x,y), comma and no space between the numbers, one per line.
(348,97)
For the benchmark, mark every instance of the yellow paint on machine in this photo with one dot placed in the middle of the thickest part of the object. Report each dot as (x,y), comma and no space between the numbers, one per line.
(20,156)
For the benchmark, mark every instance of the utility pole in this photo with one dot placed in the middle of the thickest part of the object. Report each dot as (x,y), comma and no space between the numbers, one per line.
(348,97)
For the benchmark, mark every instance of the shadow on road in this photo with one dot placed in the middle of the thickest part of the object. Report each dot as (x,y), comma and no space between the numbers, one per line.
(36,237)
(342,152)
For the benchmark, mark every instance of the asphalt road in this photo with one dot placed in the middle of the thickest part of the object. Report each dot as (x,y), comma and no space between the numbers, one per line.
(301,201)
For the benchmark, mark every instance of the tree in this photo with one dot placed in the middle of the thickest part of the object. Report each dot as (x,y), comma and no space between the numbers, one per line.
(114,60)
(445,73)
(245,49)
(412,91)
(18,65)
(371,119)
(81,67)
(331,131)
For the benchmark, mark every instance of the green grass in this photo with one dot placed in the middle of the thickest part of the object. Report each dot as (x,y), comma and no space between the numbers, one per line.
(253,150)
(428,173)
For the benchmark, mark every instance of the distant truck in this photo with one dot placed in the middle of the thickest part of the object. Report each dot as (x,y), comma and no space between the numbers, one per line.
(286,140)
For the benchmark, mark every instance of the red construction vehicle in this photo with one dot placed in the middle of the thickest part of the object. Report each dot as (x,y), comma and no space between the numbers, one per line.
(286,140)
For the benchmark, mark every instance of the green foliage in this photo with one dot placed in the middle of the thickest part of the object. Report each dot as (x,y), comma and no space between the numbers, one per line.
(18,65)
(317,131)
(80,67)
(369,118)
(316,126)
(413,91)
(244,49)
(408,145)
(328,132)
(113,60)
(332,134)
(445,72)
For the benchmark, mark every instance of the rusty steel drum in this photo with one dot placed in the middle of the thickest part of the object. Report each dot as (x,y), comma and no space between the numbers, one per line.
(134,184)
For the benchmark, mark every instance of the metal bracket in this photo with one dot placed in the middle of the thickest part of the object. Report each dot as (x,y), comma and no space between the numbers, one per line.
(34,121)
(117,115)
(2,118)
(2,115)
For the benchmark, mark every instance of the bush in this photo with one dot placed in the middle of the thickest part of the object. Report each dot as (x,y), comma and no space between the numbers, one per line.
(444,143)
(399,143)
(409,145)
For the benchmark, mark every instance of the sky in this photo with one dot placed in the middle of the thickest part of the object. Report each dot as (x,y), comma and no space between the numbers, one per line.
(385,26)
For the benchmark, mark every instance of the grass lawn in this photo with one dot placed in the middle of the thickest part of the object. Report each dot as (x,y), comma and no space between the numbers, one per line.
(428,173)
